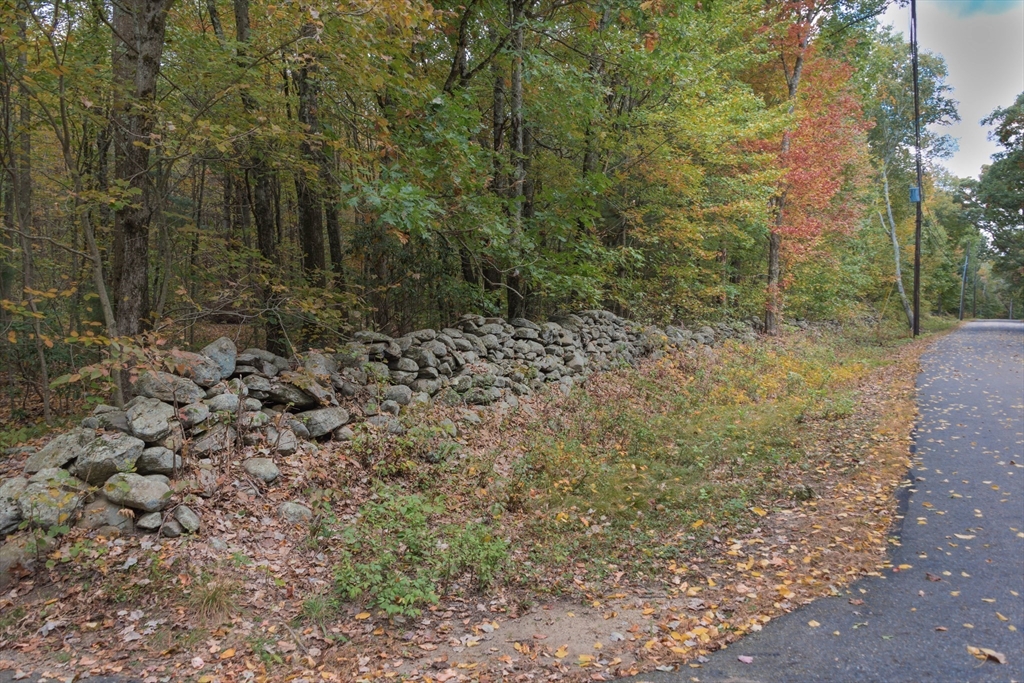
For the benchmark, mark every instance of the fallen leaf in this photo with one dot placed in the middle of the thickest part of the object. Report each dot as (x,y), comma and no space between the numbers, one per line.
(228,654)
(813,624)
(745,659)
(856,601)
(363,615)
(562,651)
(1001,617)
(198,663)
(932,577)
(760,512)
(984,654)
(428,647)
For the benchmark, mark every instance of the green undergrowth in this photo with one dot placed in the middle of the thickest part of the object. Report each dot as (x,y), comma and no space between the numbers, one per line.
(649,464)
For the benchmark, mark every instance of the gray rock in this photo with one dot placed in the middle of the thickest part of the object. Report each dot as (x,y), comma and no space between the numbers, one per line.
(324,420)
(471,418)
(427,386)
(162,478)
(351,355)
(61,450)
(51,497)
(252,420)
(435,347)
(318,364)
(193,414)
(168,388)
(462,383)
(429,373)
(150,521)
(150,419)
(223,352)
(423,335)
(136,491)
(10,512)
(284,441)
(113,420)
(174,440)
(296,426)
(237,386)
(201,369)
(489,342)
(489,329)
(107,455)
(171,529)
(424,358)
(402,395)
(343,434)
(158,460)
(100,513)
(259,387)
(301,390)
(251,404)
(376,372)
(525,333)
(390,407)
(214,440)
(448,428)
(294,513)
(404,365)
(263,469)
(224,403)
(482,397)
(370,337)
(403,378)
(19,556)
(420,397)
(188,519)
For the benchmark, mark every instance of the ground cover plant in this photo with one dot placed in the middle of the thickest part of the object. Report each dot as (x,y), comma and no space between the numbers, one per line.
(656,515)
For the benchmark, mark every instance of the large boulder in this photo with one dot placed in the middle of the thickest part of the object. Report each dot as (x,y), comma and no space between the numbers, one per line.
(10,511)
(323,421)
(201,369)
(106,455)
(168,388)
(61,450)
(150,419)
(51,497)
(223,352)
(136,491)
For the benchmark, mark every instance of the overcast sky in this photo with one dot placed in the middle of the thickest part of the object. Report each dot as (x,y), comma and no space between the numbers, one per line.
(983,44)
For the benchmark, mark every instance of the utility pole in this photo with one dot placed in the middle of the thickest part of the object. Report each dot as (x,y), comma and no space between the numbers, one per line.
(920,193)
(963,283)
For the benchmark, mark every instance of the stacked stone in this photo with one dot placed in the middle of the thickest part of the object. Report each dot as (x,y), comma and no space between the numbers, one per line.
(219,398)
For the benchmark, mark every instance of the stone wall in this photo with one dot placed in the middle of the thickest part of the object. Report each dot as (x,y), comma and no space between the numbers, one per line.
(219,399)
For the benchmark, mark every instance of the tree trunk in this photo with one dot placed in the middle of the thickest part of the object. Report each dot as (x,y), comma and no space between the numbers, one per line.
(311,224)
(262,192)
(895,251)
(23,206)
(514,277)
(142,31)
(773,304)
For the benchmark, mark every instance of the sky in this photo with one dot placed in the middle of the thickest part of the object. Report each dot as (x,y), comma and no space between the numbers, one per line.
(982,42)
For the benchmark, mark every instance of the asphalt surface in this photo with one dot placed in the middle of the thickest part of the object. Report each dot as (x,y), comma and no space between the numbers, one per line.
(963,524)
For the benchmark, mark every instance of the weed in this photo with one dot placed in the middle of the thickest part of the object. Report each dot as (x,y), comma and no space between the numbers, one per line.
(400,560)
(212,598)
(318,609)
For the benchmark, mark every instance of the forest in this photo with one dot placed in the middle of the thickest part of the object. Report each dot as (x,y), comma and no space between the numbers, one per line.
(299,171)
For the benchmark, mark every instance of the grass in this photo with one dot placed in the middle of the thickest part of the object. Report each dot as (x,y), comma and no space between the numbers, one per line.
(646,464)
(213,597)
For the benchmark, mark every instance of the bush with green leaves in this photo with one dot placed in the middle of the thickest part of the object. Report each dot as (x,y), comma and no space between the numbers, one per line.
(399,559)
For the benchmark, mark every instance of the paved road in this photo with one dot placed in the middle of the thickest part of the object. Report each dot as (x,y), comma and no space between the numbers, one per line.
(971,400)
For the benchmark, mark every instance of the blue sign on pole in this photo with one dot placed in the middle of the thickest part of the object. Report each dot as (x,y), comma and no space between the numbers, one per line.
(915,195)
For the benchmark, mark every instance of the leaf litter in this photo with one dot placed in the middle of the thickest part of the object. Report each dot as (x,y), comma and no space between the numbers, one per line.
(606,621)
